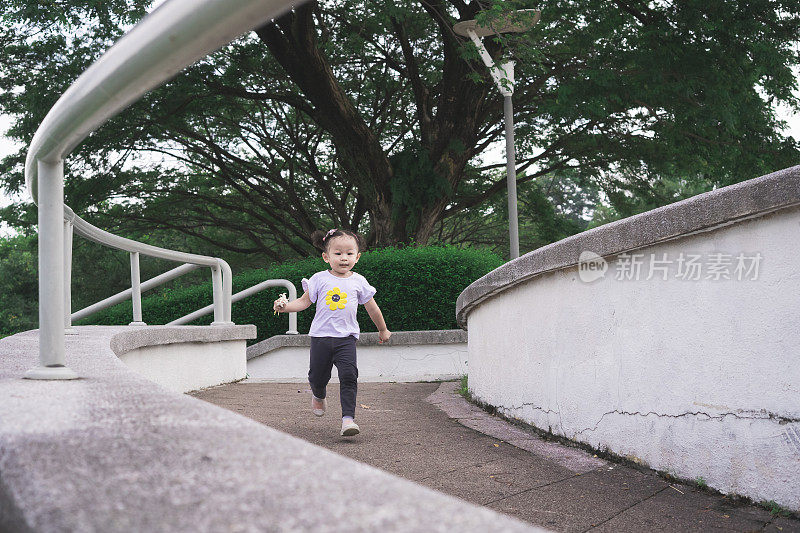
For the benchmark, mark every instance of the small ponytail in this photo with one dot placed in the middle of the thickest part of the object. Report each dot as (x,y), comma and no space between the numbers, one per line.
(318,239)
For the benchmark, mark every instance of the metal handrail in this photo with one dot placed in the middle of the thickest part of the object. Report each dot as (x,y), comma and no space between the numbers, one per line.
(126,294)
(97,235)
(173,36)
(221,274)
(244,294)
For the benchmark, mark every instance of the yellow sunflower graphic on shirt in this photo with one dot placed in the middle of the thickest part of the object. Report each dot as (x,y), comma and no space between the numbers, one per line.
(336,299)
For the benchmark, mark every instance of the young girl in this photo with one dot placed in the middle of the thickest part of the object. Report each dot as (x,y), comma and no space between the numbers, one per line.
(334,330)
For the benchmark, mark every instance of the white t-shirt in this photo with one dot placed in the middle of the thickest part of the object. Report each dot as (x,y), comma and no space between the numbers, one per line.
(337,301)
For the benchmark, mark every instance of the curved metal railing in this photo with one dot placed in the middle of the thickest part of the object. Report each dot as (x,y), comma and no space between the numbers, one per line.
(258,287)
(221,274)
(221,277)
(128,294)
(173,36)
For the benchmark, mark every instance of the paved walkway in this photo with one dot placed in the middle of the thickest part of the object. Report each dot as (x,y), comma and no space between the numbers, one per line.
(425,432)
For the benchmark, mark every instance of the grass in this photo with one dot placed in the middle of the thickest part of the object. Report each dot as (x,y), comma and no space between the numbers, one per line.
(701,483)
(775,509)
(464,390)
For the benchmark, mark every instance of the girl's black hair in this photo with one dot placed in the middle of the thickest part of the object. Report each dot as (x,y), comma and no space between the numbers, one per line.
(322,239)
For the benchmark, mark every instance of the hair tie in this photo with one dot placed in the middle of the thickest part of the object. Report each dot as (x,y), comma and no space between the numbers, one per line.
(327,235)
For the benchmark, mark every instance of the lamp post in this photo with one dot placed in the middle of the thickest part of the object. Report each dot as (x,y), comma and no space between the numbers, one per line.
(503,76)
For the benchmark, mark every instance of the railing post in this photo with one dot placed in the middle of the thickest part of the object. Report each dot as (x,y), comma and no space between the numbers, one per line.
(292,324)
(51,274)
(292,316)
(136,291)
(216,285)
(227,291)
(68,329)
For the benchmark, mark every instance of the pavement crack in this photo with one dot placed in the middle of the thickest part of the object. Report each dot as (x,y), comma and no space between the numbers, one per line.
(531,405)
(532,488)
(627,508)
(762,414)
(741,415)
(458,469)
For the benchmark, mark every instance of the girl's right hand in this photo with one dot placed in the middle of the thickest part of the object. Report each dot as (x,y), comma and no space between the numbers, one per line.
(280,303)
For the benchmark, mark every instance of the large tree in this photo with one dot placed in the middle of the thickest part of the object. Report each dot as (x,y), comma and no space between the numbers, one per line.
(375,115)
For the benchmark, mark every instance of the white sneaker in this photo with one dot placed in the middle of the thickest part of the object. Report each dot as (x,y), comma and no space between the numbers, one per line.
(350,429)
(319,412)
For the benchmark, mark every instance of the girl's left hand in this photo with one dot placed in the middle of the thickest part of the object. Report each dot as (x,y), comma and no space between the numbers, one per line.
(383,335)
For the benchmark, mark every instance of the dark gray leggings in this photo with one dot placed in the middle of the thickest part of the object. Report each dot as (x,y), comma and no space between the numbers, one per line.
(329,351)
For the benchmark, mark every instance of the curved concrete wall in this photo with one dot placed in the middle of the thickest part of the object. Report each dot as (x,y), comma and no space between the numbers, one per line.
(408,356)
(696,377)
(113,451)
(185,358)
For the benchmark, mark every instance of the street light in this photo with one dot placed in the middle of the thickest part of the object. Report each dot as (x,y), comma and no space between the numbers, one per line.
(503,75)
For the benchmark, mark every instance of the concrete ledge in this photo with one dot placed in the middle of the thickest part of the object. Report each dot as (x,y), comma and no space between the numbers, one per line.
(185,358)
(408,356)
(113,451)
(140,337)
(399,338)
(752,198)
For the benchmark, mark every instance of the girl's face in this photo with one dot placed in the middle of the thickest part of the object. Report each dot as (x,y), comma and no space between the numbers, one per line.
(342,254)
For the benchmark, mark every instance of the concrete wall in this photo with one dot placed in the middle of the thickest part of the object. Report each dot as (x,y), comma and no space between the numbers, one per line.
(190,366)
(113,451)
(408,356)
(699,378)
(184,359)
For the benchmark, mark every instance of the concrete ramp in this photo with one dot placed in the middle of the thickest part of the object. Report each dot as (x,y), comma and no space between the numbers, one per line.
(113,451)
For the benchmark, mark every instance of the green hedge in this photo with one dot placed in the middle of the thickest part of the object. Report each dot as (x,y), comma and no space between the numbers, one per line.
(417,290)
